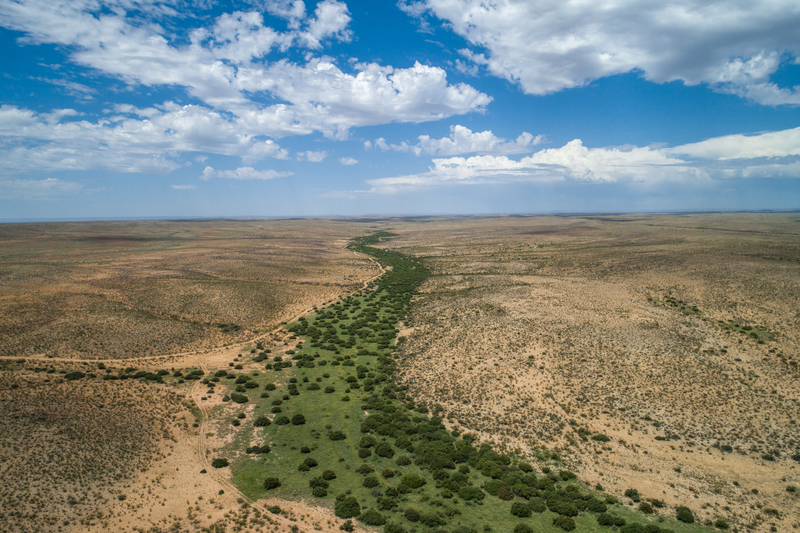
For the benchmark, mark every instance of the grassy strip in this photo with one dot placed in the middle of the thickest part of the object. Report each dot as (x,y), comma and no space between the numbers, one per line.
(330,424)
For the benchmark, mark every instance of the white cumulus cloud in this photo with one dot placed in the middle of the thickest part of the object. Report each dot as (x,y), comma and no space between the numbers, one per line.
(548,46)
(243,173)
(462,140)
(764,155)
(348,161)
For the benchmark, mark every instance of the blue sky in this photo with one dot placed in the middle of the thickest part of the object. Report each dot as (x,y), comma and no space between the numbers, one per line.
(128,108)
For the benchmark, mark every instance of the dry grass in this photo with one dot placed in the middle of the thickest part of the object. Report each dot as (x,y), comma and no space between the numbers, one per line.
(130,289)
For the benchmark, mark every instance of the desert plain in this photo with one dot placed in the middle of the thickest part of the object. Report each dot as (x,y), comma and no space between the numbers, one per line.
(646,352)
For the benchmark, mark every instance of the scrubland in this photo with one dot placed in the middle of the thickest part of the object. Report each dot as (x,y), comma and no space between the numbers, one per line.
(148,384)
(653,352)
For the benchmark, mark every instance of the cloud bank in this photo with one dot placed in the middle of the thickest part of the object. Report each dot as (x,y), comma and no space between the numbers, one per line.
(545,47)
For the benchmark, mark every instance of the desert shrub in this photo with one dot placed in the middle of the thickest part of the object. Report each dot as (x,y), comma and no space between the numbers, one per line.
(236,422)
(505,493)
(310,462)
(413,481)
(384,450)
(566,475)
(523,528)
(364,469)
(684,514)
(601,438)
(347,507)
(75,374)
(720,523)
(319,492)
(220,462)
(595,505)
(298,420)
(431,520)
(564,522)
(239,398)
(646,508)
(371,517)
(305,449)
(337,435)
(261,421)
(470,493)
(605,519)
(520,509)
(347,526)
(272,483)
(633,494)
(562,507)
(274,509)
(242,380)
(371,482)
(393,528)
(386,503)
(411,514)
(251,385)
(537,505)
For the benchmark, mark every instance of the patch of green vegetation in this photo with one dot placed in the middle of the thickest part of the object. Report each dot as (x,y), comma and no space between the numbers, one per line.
(381,458)
(682,306)
(754,332)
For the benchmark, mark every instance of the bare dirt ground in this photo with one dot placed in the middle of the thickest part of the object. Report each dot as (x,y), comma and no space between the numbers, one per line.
(96,455)
(544,332)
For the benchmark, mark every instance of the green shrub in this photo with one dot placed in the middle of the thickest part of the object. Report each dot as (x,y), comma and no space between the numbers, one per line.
(393,528)
(633,494)
(537,505)
(470,493)
(219,462)
(646,508)
(525,467)
(601,438)
(261,421)
(282,420)
(363,453)
(386,504)
(319,492)
(720,523)
(564,522)
(505,493)
(562,507)
(371,482)
(605,519)
(520,509)
(272,483)
(347,507)
(431,520)
(384,450)
(337,435)
(367,442)
(239,398)
(371,517)
(413,481)
(523,528)
(75,374)
(411,514)
(310,462)
(347,526)
(328,475)
(684,514)
(298,420)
